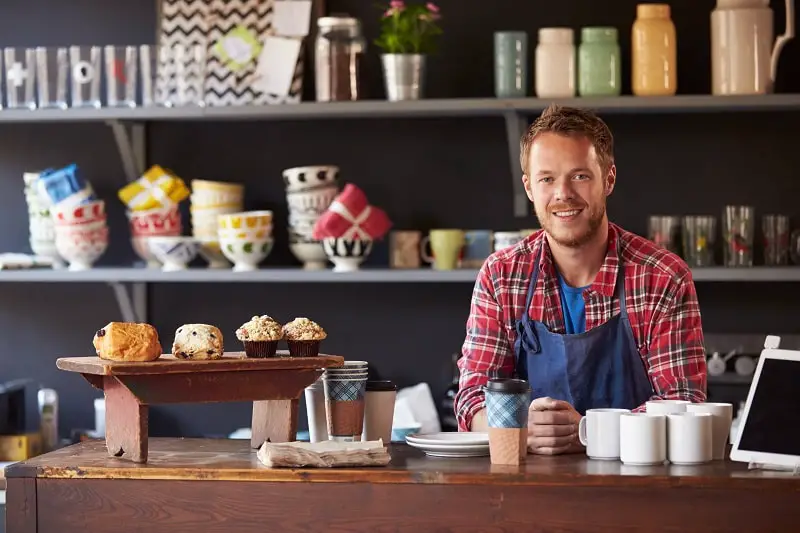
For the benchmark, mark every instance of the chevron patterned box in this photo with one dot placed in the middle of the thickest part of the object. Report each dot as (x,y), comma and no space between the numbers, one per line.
(224,74)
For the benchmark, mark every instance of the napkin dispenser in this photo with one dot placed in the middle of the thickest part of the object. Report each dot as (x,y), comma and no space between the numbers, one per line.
(19,407)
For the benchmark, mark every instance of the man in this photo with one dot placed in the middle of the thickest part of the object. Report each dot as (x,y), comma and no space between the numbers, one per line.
(590,314)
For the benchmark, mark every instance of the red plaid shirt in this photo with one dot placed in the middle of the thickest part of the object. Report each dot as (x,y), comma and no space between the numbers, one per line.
(660,299)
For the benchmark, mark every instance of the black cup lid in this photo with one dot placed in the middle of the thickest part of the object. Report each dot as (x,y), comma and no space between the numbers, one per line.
(508,386)
(381,386)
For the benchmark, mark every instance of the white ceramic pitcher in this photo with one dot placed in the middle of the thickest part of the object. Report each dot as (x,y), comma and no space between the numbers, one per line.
(744,58)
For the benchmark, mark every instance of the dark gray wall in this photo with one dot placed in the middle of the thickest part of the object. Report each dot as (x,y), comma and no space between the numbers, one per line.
(426,173)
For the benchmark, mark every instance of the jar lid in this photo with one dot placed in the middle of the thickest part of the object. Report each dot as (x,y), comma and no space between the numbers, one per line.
(653,11)
(556,35)
(381,386)
(342,21)
(596,34)
(508,386)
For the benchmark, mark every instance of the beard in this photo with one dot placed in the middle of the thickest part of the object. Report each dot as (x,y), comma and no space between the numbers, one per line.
(577,236)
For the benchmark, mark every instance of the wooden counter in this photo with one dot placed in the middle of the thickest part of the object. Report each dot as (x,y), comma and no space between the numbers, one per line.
(199,485)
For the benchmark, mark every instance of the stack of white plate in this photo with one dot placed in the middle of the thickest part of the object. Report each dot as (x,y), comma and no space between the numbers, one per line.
(451,444)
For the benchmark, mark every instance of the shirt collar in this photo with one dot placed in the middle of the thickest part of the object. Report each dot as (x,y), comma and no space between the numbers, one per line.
(606,280)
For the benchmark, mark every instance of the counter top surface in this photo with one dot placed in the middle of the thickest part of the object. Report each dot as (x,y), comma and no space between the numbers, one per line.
(233,460)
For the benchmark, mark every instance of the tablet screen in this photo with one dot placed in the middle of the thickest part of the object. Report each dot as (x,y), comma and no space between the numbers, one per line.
(773,421)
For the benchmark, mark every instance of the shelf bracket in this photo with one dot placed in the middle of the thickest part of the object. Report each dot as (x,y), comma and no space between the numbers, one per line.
(516,125)
(131,145)
(133,304)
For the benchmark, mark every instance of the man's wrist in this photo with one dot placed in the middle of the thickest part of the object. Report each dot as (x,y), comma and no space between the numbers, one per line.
(479,422)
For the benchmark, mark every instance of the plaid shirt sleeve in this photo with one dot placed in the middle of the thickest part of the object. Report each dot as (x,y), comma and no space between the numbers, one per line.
(677,357)
(487,351)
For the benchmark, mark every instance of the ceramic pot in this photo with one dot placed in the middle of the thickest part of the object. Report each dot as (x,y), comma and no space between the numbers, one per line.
(346,254)
(404,76)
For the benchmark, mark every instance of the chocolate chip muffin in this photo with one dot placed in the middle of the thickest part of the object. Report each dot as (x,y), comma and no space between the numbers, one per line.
(198,342)
(304,337)
(260,336)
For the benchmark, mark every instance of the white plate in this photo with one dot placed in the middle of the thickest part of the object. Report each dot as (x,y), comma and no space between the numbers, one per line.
(450,438)
(453,448)
(454,455)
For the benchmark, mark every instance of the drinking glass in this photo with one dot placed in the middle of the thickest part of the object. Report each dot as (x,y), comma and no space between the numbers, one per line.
(665,231)
(775,229)
(20,69)
(738,235)
(85,73)
(121,63)
(699,237)
(52,68)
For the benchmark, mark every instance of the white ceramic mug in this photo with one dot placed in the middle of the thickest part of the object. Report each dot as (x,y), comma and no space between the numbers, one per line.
(599,432)
(722,414)
(666,407)
(505,239)
(642,438)
(689,440)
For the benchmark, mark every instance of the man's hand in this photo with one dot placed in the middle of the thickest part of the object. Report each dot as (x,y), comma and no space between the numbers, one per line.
(553,427)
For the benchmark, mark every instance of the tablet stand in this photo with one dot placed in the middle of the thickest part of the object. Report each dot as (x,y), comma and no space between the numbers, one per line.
(795,470)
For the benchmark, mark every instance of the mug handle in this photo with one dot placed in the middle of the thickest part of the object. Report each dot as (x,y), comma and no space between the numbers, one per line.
(582,432)
(423,249)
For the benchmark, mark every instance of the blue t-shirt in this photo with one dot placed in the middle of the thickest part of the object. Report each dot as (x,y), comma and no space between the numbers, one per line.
(572,306)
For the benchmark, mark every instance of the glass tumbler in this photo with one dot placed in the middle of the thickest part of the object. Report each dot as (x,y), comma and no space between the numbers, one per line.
(121,71)
(665,231)
(85,74)
(20,77)
(699,237)
(738,235)
(775,229)
(52,68)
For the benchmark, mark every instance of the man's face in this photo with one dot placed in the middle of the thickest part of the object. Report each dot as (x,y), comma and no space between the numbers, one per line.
(568,187)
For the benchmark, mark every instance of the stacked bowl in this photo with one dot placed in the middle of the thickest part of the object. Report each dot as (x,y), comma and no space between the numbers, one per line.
(164,222)
(210,199)
(309,192)
(81,232)
(40,223)
(245,238)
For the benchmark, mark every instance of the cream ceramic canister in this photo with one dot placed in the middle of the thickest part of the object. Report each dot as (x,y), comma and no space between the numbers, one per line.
(555,63)
(744,58)
(654,63)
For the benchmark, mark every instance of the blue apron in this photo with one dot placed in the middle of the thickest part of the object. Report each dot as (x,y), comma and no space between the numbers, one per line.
(598,368)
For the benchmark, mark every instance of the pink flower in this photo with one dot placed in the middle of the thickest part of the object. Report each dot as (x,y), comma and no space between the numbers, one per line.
(397,4)
(433,8)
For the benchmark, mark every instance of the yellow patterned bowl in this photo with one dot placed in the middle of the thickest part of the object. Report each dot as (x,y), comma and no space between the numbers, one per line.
(247,220)
(245,234)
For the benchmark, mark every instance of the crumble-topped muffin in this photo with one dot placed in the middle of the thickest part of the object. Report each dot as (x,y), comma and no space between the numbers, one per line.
(304,337)
(260,336)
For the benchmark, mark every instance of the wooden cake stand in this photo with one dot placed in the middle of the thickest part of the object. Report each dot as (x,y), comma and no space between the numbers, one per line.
(274,385)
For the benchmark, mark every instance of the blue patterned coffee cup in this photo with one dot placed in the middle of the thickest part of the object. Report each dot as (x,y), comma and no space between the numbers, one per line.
(507,402)
(345,390)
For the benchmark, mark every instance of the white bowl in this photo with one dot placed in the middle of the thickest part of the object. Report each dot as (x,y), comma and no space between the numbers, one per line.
(81,248)
(246,254)
(175,252)
(141,246)
(211,252)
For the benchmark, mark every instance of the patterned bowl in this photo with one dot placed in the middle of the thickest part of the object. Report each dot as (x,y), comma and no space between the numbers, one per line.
(246,254)
(174,252)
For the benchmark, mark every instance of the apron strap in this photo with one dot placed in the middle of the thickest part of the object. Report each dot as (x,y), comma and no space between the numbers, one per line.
(526,336)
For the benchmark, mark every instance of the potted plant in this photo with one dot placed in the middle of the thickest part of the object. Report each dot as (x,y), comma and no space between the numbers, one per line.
(408,35)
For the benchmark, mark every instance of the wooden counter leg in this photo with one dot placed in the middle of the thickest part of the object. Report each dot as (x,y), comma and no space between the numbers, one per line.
(275,420)
(126,422)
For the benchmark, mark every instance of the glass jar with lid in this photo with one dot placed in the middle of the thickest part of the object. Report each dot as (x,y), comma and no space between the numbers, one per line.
(339,49)
(599,65)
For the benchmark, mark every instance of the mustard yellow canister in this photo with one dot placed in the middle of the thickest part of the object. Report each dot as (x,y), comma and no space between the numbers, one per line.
(654,50)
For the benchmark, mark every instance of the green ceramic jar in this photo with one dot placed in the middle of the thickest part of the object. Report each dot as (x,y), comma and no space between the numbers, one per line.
(599,68)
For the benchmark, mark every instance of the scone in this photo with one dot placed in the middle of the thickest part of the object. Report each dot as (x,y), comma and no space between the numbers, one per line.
(260,336)
(127,341)
(198,342)
(304,337)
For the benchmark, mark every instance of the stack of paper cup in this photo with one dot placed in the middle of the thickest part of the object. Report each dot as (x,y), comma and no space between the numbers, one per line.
(345,388)
(210,199)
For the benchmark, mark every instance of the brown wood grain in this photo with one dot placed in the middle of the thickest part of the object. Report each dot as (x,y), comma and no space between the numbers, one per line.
(234,460)
(168,364)
(21,512)
(199,387)
(126,422)
(104,506)
(275,421)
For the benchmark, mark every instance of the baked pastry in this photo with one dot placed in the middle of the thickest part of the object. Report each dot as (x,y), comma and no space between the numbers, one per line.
(127,341)
(304,337)
(260,336)
(198,342)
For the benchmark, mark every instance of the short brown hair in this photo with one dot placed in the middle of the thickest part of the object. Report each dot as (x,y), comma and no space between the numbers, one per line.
(570,121)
